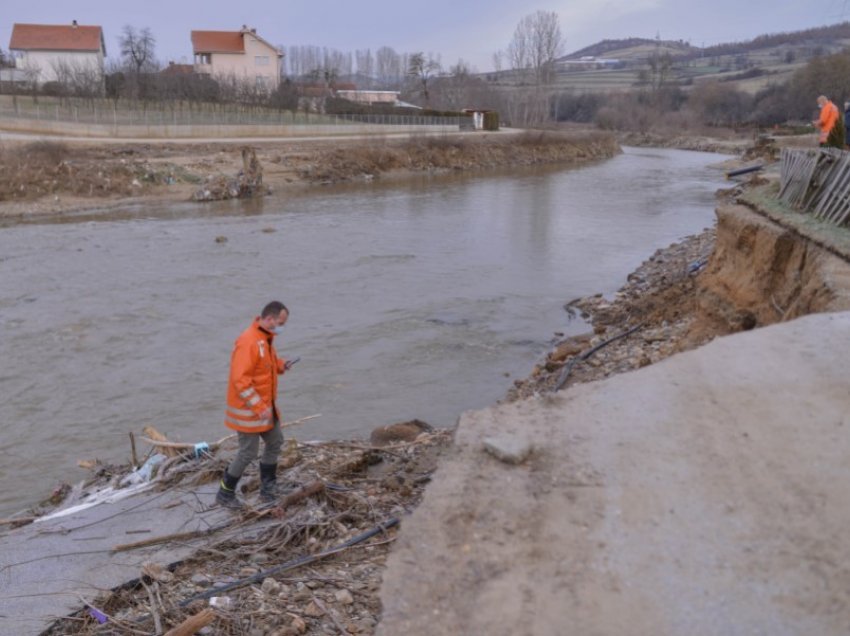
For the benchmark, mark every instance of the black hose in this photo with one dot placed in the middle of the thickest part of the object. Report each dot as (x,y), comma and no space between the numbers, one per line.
(565,373)
(740,171)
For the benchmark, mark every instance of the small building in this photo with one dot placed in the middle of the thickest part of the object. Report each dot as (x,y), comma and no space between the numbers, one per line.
(177,69)
(477,116)
(369,97)
(240,55)
(52,52)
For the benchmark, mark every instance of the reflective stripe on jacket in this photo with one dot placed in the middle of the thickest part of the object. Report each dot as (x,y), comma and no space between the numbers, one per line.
(252,388)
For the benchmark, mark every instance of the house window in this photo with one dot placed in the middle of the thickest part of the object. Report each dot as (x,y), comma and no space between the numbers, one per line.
(261,60)
(203,58)
(261,82)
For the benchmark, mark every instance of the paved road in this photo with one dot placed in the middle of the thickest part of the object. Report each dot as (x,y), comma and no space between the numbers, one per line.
(707,494)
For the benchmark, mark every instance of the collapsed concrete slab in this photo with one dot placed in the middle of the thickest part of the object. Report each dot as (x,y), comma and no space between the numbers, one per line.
(706,494)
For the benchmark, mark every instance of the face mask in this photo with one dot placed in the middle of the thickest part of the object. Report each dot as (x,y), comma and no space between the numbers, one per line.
(276,330)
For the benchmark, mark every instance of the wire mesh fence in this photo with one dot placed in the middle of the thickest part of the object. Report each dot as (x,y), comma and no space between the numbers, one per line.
(122,113)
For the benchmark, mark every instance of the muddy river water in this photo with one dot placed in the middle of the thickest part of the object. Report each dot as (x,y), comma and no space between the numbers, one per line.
(416,299)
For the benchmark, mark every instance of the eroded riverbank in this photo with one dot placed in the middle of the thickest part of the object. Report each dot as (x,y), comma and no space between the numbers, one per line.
(322,599)
(677,300)
(45,178)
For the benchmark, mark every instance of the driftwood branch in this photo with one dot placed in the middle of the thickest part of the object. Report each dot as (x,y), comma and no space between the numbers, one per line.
(157,621)
(194,623)
(159,440)
(313,488)
(179,536)
(20,521)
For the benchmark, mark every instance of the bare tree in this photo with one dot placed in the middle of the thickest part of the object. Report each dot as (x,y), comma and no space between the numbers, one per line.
(305,59)
(336,62)
(422,69)
(365,62)
(137,51)
(388,66)
(498,61)
(536,45)
(660,70)
(77,79)
(453,91)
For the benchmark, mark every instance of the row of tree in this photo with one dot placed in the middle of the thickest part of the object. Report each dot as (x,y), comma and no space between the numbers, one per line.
(528,98)
(661,105)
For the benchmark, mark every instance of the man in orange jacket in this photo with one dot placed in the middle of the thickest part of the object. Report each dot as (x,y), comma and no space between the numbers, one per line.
(828,118)
(251,409)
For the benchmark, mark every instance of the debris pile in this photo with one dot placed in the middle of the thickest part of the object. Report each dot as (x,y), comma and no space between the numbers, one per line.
(49,168)
(246,185)
(311,564)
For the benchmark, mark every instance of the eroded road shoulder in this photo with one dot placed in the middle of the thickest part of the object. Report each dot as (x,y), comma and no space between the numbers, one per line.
(705,495)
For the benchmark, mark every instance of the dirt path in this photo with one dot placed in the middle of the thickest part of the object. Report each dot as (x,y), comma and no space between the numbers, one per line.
(705,494)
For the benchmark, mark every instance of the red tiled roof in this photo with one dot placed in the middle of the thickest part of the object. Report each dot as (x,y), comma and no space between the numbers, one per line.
(56,37)
(177,69)
(217,42)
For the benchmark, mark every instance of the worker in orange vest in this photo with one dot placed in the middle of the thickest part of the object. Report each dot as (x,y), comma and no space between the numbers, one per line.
(828,118)
(251,409)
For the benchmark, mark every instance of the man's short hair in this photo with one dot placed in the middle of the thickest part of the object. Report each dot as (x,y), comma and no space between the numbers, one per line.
(273,309)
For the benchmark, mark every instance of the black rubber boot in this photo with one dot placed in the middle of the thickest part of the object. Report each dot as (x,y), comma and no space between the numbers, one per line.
(268,483)
(226,495)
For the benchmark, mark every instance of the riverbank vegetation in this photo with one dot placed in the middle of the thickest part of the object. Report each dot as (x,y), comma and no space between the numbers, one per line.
(47,168)
(444,154)
(52,177)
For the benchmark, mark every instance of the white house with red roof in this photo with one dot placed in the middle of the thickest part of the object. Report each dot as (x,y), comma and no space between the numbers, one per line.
(241,55)
(46,52)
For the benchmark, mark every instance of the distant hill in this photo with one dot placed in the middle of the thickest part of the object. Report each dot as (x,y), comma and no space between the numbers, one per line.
(625,49)
(636,48)
(826,36)
(749,66)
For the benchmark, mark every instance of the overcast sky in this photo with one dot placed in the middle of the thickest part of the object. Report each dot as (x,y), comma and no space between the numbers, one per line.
(469,29)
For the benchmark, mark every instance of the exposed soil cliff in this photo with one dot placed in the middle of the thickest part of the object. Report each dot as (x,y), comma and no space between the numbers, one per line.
(750,271)
(761,273)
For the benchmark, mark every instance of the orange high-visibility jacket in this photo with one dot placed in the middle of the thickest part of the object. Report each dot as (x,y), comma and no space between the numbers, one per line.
(827,120)
(254,367)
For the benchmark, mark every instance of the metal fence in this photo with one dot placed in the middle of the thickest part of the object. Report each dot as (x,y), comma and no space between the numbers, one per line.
(817,180)
(107,112)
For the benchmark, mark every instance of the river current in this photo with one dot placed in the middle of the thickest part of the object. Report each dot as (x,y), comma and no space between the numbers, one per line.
(416,299)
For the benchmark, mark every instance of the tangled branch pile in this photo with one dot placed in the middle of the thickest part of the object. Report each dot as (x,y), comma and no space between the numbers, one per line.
(301,567)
